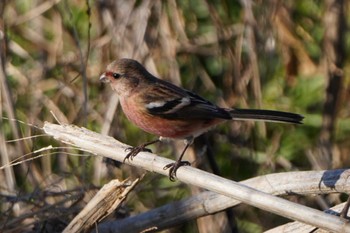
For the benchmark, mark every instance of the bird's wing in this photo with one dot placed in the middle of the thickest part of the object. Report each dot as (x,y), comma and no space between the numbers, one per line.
(172,102)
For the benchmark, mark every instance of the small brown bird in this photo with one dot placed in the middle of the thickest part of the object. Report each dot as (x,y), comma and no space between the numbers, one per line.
(169,111)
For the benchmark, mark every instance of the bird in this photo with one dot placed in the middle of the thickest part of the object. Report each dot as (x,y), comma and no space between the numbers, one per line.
(172,112)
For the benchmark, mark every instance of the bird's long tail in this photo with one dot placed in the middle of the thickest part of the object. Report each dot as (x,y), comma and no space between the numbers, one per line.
(266,115)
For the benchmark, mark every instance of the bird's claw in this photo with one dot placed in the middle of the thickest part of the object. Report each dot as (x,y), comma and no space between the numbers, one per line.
(173,168)
(134,151)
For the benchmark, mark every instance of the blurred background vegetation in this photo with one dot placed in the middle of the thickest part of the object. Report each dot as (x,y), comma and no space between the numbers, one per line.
(283,55)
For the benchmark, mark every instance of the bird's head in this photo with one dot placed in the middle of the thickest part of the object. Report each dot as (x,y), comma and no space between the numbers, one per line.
(124,75)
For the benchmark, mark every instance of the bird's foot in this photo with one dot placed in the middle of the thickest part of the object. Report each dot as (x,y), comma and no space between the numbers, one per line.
(135,150)
(173,168)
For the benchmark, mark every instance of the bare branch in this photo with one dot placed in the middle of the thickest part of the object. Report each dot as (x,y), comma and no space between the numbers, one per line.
(109,147)
(109,198)
(206,203)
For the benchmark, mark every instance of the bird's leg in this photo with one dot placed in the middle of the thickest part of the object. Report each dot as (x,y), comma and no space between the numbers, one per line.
(179,163)
(135,150)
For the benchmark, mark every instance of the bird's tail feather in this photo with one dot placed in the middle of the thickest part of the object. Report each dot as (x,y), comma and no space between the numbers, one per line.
(266,115)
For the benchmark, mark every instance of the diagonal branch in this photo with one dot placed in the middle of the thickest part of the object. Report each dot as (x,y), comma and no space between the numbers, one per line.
(206,203)
(109,147)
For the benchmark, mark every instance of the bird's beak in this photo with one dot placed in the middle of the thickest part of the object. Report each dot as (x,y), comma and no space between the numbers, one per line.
(103,78)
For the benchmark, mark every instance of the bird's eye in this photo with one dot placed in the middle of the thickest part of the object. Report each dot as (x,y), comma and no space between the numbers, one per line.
(116,75)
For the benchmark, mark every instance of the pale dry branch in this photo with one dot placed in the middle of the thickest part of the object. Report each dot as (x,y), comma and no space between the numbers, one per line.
(104,203)
(109,147)
(298,227)
(206,203)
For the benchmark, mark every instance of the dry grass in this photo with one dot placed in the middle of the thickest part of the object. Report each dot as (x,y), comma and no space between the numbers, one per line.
(274,55)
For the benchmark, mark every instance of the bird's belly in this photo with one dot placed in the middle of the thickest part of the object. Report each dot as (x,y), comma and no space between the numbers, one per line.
(169,128)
